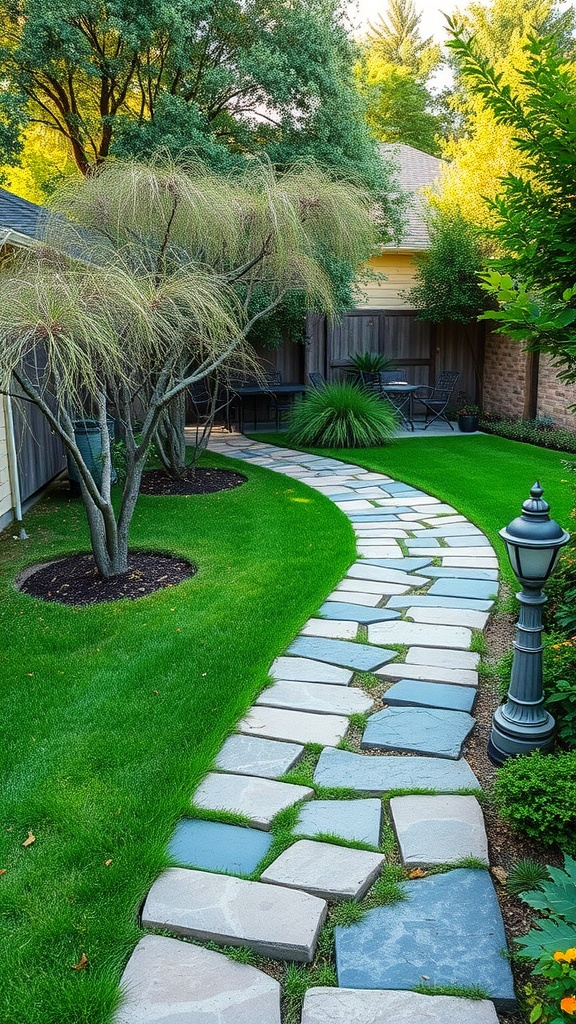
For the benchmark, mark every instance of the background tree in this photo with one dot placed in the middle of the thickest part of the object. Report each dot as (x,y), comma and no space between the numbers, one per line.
(157,297)
(392,74)
(535,214)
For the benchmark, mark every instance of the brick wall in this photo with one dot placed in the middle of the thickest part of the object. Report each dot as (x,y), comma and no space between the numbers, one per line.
(505,383)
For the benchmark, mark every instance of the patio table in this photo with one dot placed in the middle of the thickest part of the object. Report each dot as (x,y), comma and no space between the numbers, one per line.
(255,391)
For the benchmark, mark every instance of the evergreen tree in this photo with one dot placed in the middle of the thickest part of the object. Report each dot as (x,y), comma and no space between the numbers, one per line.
(395,39)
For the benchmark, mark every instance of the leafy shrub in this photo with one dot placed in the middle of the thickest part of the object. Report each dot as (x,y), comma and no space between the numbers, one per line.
(341,416)
(555,933)
(537,795)
(531,432)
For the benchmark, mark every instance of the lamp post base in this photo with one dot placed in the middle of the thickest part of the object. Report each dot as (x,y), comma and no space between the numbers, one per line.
(510,739)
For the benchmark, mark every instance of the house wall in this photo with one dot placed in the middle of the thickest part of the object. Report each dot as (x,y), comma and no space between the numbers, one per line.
(507,384)
(5,489)
(400,271)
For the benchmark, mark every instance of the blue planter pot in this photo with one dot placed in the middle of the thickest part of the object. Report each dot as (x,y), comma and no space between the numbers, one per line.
(87,437)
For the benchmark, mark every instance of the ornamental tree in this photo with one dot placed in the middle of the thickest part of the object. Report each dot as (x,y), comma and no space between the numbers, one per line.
(143,287)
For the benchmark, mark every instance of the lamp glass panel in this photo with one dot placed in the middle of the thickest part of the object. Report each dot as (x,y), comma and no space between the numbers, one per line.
(535,563)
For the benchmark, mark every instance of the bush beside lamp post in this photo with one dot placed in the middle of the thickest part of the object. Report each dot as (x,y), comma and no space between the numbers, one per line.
(533,541)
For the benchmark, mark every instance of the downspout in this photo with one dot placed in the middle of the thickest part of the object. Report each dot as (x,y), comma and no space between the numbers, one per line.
(13,465)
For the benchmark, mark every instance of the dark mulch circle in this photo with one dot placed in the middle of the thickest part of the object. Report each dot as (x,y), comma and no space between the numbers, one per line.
(195,481)
(75,579)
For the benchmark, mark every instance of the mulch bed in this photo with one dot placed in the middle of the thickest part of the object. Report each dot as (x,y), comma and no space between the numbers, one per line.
(194,481)
(75,580)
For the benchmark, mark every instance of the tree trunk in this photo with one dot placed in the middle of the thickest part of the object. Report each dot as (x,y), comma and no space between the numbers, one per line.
(169,437)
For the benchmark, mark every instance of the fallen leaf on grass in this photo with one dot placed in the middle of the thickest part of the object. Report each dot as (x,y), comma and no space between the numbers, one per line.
(82,963)
(30,839)
(107,863)
(417,873)
(2,871)
(500,875)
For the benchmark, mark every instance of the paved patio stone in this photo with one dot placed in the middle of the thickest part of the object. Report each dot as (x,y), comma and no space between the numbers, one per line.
(372,587)
(410,692)
(372,536)
(370,1006)
(441,508)
(418,730)
(448,929)
(383,574)
(272,920)
(310,671)
(325,699)
(449,616)
(358,821)
(379,551)
(441,572)
(471,542)
(469,563)
(338,610)
(218,847)
(423,601)
(420,634)
(326,870)
(443,658)
(332,628)
(423,542)
(355,597)
(171,982)
(251,755)
(377,516)
(444,520)
(411,565)
(438,829)
(483,590)
(470,553)
(431,674)
(376,775)
(356,504)
(342,652)
(257,799)
(296,726)
(453,530)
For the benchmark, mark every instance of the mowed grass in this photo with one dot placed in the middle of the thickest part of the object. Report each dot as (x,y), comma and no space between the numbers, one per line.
(110,716)
(486,478)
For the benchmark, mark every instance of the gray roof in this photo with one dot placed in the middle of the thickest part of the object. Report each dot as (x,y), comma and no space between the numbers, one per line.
(415,171)
(20,220)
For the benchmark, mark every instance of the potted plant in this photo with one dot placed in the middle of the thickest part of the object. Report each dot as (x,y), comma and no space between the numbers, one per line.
(468,417)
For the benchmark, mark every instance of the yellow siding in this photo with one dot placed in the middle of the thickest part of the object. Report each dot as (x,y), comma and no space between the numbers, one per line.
(5,490)
(400,269)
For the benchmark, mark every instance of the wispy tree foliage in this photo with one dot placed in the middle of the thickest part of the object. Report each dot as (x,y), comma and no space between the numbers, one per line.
(154,294)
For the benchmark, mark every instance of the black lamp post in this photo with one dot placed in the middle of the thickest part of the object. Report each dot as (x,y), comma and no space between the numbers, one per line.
(533,541)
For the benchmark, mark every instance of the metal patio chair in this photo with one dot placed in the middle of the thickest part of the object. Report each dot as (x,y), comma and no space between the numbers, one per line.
(436,399)
(317,380)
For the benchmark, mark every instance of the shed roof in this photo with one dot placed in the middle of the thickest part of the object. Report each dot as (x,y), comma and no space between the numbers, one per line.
(20,220)
(415,170)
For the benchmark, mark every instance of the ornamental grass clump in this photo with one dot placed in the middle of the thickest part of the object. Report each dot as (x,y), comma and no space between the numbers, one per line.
(342,416)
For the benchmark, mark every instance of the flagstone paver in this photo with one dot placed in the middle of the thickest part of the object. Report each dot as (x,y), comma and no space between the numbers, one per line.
(438,829)
(354,820)
(171,982)
(323,869)
(369,1006)
(270,919)
(376,775)
(252,755)
(217,846)
(419,730)
(325,699)
(408,692)
(341,652)
(295,726)
(448,929)
(257,799)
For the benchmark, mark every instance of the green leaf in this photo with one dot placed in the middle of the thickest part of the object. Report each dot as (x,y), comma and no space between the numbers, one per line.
(536,1013)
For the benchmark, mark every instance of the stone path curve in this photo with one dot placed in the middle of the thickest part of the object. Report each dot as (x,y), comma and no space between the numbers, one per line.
(425,579)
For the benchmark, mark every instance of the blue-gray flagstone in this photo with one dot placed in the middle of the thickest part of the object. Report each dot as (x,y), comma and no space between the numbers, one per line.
(399,488)
(448,931)
(423,542)
(440,572)
(216,846)
(363,657)
(376,516)
(483,590)
(426,601)
(253,755)
(357,613)
(376,775)
(408,564)
(419,730)
(358,821)
(410,692)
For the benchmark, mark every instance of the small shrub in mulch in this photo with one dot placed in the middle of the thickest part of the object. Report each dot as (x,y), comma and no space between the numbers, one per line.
(539,432)
(194,481)
(75,579)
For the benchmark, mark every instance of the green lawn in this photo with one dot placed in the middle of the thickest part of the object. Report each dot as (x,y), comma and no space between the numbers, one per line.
(111,714)
(483,476)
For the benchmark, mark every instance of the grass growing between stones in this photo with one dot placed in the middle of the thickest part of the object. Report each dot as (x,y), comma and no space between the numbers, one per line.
(111,715)
(486,478)
(471,992)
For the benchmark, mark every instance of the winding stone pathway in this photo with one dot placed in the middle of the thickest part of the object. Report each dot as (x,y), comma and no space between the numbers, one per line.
(425,579)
